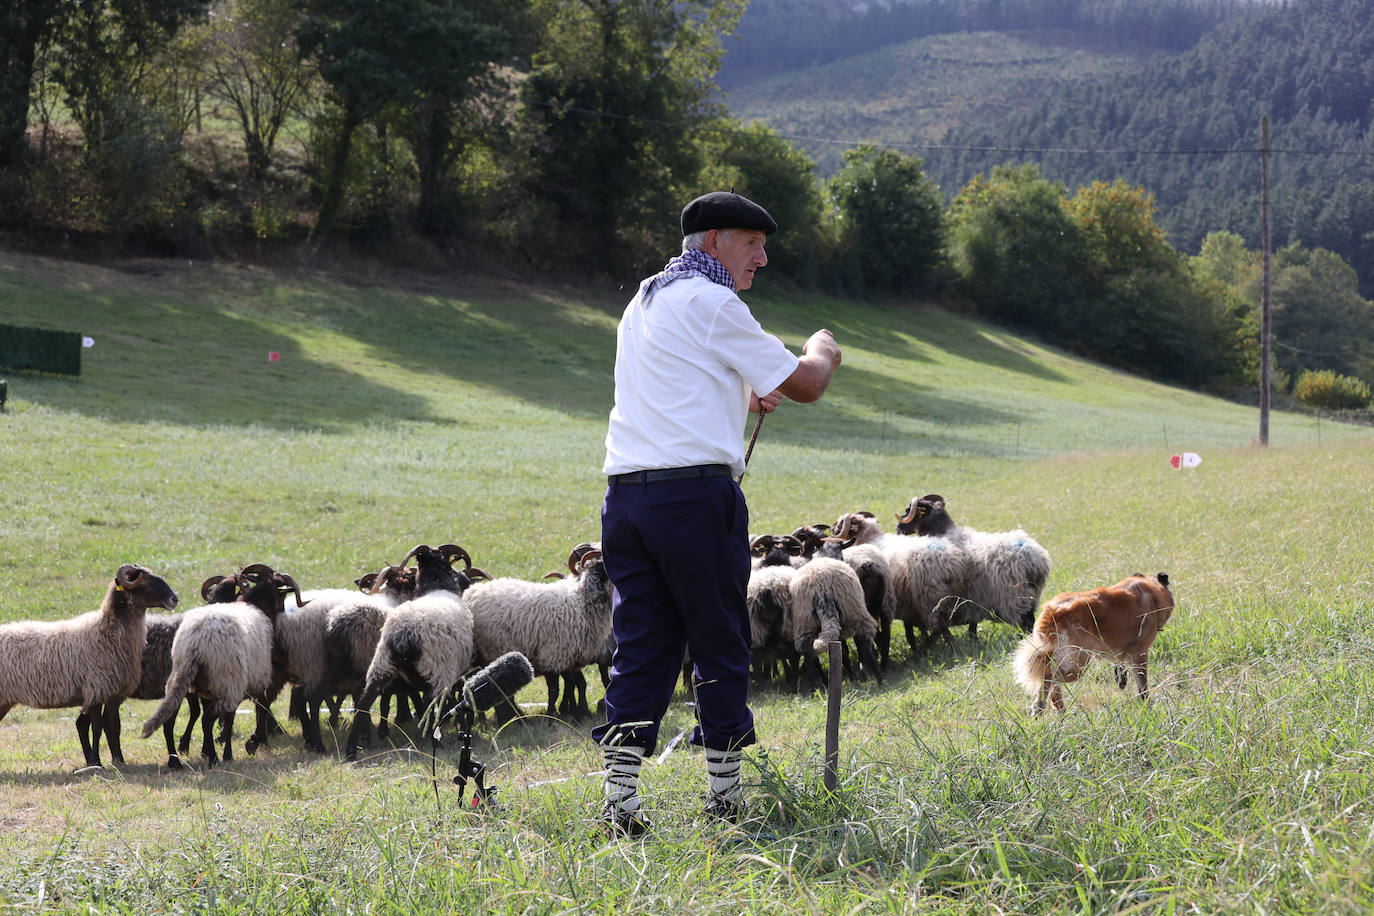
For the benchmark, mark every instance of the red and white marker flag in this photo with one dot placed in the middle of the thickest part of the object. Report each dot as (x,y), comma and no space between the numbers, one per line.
(1186,460)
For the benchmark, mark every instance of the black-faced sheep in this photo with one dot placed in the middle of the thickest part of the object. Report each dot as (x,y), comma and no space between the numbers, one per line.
(927,575)
(426,641)
(875,575)
(828,605)
(223,653)
(1007,570)
(92,661)
(561,626)
(768,599)
(161,629)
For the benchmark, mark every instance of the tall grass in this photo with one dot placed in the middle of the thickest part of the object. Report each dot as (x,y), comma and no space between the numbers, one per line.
(404,412)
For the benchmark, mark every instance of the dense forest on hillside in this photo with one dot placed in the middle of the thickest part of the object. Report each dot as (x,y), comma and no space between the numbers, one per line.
(1187,128)
(775,36)
(561,138)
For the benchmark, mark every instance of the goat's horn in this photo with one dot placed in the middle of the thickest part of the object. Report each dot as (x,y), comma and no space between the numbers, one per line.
(910,515)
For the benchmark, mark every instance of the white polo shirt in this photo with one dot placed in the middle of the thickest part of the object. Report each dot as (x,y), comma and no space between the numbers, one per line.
(686,361)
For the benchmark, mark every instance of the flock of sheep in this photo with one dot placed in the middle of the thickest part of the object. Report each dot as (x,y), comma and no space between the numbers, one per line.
(411,633)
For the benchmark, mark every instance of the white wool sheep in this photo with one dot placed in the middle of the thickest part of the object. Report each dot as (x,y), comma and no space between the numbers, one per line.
(1007,570)
(223,653)
(828,605)
(426,640)
(928,575)
(161,629)
(92,661)
(560,625)
(875,575)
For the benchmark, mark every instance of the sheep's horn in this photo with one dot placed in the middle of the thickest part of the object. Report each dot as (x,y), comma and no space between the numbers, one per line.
(289,583)
(554,575)
(761,544)
(209,584)
(587,557)
(476,572)
(821,526)
(257,571)
(793,545)
(452,552)
(366,582)
(842,526)
(413,551)
(865,514)
(128,575)
(910,515)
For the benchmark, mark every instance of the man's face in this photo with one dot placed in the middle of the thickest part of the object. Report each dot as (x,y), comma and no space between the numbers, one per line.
(740,251)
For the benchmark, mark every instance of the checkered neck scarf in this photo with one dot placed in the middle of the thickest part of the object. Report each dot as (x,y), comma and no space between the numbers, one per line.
(691,263)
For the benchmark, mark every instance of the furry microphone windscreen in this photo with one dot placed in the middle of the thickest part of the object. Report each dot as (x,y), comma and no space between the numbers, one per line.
(502,679)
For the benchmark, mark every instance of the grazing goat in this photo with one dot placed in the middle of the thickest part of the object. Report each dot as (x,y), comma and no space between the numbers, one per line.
(1119,622)
(92,661)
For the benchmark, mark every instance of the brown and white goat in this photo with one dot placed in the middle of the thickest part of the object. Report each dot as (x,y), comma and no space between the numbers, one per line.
(1118,622)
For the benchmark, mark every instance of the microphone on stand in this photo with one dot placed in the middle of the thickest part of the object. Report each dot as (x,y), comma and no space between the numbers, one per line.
(500,680)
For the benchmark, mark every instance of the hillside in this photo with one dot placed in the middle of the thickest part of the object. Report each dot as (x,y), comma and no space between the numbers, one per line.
(408,408)
(1187,128)
(909,96)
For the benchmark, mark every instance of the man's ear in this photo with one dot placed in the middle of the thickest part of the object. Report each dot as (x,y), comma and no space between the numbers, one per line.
(711,244)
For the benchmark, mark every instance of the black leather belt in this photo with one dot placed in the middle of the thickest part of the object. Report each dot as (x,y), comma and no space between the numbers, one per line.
(656,474)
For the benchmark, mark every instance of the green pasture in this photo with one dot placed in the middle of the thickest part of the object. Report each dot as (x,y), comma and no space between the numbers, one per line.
(411,409)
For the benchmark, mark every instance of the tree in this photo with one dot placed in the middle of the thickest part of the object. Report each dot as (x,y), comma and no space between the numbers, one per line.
(1015,250)
(251,63)
(889,220)
(762,166)
(620,88)
(418,54)
(24,26)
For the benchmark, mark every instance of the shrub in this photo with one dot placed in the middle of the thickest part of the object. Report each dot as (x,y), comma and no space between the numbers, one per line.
(1332,391)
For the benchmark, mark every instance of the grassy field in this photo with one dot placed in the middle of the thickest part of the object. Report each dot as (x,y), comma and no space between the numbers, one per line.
(409,410)
(914,92)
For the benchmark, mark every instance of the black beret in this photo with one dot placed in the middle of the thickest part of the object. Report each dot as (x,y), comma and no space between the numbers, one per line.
(725,210)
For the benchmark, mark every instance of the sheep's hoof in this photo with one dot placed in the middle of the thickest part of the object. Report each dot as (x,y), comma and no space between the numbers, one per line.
(250,746)
(174,763)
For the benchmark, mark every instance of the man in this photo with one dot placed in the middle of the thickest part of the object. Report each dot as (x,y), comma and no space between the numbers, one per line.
(691,363)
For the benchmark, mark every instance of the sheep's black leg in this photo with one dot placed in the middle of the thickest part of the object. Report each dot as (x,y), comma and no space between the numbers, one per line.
(361,729)
(579,688)
(88,730)
(311,698)
(207,744)
(403,711)
(295,708)
(169,735)
(911,639)
(227,733)
(868,660)
(884,641)
(552,681)
(193,706)
(110,720)
(263,720)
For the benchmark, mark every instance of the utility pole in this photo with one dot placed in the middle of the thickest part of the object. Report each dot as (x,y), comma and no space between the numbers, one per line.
(1265,327)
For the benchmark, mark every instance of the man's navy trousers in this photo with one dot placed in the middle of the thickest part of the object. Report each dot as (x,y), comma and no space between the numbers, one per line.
(677,553)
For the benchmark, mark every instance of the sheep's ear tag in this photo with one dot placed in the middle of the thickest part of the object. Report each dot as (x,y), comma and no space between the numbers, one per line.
(119,588)
(437,736)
